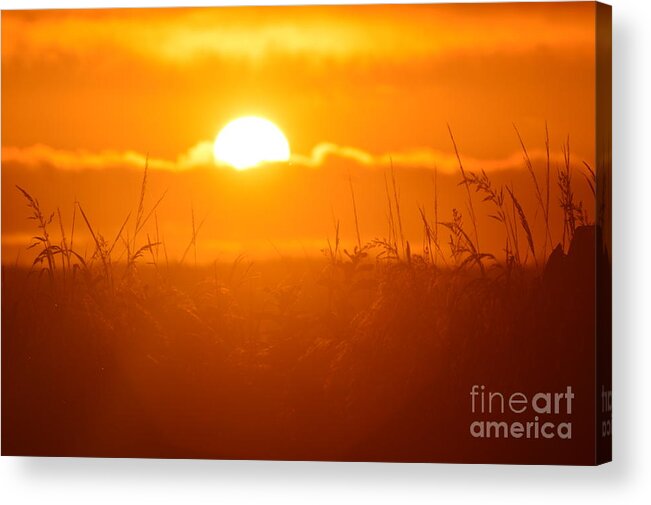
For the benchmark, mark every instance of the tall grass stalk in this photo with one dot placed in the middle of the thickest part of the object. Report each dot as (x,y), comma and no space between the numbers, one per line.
(392,224)
(396,196)
(464,181)
(352,194)
(193,240)
(525,224)
(101,249)
(547,190)
(566,199)
(65,251)
(539,196)
(436,213)
(48,250)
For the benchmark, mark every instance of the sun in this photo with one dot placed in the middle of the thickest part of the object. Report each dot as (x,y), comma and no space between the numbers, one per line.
(249,141)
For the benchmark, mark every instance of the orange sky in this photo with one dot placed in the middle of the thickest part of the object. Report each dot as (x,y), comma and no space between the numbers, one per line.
(86,94)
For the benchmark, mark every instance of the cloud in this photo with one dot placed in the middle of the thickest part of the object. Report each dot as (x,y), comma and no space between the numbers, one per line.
(39,155)
(445,162)
(181,35)
(325,150)
(323,155)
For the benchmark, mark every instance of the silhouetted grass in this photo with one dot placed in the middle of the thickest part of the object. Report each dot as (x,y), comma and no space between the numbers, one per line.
(302,359)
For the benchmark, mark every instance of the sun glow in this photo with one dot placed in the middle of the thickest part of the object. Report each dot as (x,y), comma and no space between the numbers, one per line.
(247,142)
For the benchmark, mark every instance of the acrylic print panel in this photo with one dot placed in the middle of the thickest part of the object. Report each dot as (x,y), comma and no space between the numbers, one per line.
(350,233)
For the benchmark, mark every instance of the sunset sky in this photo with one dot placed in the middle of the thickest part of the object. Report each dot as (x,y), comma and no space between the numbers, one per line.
(86,95)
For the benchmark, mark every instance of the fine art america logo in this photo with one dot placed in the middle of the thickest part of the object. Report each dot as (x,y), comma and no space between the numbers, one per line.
(545,415)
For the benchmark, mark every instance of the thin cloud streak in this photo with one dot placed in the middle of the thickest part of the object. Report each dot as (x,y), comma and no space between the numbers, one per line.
(323,155)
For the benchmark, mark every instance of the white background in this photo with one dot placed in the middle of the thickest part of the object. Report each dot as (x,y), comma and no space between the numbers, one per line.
(626,480)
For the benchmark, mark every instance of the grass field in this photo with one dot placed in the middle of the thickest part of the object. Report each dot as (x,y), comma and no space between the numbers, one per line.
(366,353)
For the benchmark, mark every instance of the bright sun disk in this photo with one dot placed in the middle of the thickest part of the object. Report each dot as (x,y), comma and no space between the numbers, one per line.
(247,142)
